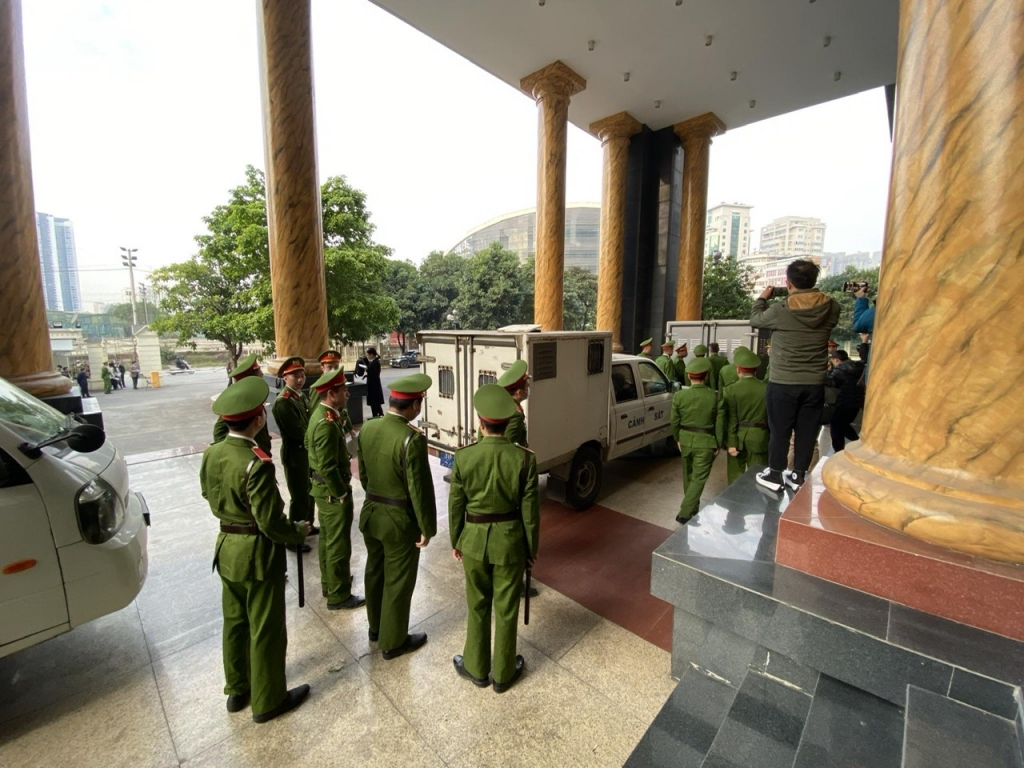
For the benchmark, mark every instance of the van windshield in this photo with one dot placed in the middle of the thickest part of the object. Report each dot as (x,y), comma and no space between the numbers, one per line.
(30,419)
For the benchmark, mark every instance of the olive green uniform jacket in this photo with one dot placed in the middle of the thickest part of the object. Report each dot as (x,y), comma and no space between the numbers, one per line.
(291,412)
(493,477)
(220,431)
(694,424)
(393,465)
(331,474)
(727,376)
(718,362)
(743,424)
(240,486)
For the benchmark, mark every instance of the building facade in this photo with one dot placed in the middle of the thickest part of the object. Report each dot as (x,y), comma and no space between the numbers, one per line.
(728,230)
(794,236)
(59,263)
(517,232)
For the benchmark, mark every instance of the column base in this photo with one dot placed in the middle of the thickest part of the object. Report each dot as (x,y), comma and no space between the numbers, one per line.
(822,537)
(44,384)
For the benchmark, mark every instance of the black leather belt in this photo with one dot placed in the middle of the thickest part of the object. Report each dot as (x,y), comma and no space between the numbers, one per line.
(702,430)
(758,424)
(400,503)
(246,529)
(505,517)
(320,478)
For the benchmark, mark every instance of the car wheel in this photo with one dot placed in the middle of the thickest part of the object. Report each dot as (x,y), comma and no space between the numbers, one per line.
(584,482)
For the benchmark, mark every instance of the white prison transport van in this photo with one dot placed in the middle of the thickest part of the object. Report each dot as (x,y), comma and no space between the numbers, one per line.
(586,405)
(728,334)
(72,533)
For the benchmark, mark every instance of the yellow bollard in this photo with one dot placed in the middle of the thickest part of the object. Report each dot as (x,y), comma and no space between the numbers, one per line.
(154,378)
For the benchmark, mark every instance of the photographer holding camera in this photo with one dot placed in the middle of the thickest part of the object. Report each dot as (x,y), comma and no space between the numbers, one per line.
(801,325)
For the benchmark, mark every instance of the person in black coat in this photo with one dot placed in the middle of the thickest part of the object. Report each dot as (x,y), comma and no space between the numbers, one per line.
(374,391)
(845,376)
(83,382)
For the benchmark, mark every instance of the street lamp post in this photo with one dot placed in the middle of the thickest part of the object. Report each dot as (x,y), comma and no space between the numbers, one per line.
(145,301)
(128,258)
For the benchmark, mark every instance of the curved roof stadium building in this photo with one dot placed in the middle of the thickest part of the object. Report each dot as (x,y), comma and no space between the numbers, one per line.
(517,232)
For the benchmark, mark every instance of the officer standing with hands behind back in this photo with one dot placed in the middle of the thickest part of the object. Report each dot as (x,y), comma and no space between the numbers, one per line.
(291,412)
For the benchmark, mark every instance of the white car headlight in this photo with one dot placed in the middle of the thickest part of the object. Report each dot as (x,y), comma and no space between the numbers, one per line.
(100,512)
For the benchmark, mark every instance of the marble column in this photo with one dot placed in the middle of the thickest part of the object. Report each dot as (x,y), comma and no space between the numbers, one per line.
(696,134)
(25,356)
(614,132)
(551,87)
(293,189)
(941,454)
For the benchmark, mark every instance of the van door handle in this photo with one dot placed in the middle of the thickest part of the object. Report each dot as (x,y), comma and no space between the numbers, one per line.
(623,416)
(650,408)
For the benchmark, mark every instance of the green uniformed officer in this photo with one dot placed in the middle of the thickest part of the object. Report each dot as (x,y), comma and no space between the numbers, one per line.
(105,375)
(664,361)
(331,471)
(399,515)
(645,347)
(743,418)
(494,524)
(291,412)
(728,375)
(247,366)
(700,351)
(330,360)
(516,382)
(679,363)
(694,420)
(717,360)
(237,479)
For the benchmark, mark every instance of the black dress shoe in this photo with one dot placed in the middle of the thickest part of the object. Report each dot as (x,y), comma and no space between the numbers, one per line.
(303,547)
(683,520)
(237,702)
(520,666)
(294,698)
(479,682)
(373,636)
(412,643)
(354,601)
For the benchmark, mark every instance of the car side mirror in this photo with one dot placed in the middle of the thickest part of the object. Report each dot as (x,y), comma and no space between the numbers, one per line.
(86,438)
(676,386)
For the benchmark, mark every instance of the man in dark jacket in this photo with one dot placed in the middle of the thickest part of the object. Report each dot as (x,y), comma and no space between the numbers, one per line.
(845,376)
(801,325)
(374,391)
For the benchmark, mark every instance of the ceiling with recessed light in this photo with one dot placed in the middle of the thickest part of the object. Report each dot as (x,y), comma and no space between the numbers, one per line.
(680,56)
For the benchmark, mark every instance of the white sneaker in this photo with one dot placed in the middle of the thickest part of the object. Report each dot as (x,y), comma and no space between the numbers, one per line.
(793,479)
(769,479)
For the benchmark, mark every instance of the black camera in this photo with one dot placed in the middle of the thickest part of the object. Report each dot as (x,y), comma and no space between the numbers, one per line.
(780,293)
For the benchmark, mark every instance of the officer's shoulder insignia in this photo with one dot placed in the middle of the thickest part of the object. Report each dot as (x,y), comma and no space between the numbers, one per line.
(331,416)
(261,454)
(287,394)
(417,430)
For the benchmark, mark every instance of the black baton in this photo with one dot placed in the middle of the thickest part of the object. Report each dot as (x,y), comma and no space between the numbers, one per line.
(302,580)
(526,608)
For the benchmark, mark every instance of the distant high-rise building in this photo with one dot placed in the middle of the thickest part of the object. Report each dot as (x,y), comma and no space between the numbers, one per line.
(59,263)
(794,236)
(728,230)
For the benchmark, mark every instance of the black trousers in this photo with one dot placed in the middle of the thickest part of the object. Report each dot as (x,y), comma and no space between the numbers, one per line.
(793,410)
(376,410)
(841,426)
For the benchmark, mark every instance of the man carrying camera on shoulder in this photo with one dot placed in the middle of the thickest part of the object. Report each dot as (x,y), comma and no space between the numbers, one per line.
(801,325)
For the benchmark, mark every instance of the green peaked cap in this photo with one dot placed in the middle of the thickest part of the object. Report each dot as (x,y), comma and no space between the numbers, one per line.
(700,350)
(744,358)
(294,363)
(667,343)
(494,403)
(327,380)
(645,342)
(242,397)
(698,365)
(247,363)
(413,387)
(739,349)
(515,373)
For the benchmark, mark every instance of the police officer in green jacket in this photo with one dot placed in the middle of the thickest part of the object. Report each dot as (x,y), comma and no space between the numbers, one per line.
(645,347)
(237,479)
(694,421)
(247,366)
(331,470)
(664,360)
(743,418)
(330,360)
(717,360)
(679,363)
(516,382)
(728,375)
(700,351)
(399,515)
(291,412)
(494,524)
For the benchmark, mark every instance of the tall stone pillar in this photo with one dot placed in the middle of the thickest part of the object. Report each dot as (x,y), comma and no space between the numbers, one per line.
(25,356)
(293,189)
(696,134)
(941,454)
(551,87)
(614,133)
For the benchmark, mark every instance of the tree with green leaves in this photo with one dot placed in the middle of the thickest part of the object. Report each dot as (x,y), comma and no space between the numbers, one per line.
(833,286)
(727,287)
(441,275)
(491,290)
(579,299)
(405,285)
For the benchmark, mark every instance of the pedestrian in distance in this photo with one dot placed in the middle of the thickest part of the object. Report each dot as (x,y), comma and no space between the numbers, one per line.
(494,526)
(399,515)
(331,469)
(120,373)
(374,390)
(744,418)
(135,370)
(291,414)
(237,480)
(247,367)
(107,379)
(83,382)
(694,425)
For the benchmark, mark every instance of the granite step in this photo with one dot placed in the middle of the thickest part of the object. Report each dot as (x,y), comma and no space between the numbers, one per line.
(850,728)
(943,733)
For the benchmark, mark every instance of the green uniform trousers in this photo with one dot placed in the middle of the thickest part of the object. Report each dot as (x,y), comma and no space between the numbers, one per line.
(737,465)
(106,386)
(392,564)
(500,586)
(696,468)
(255,641)
(334,546)
(296,477)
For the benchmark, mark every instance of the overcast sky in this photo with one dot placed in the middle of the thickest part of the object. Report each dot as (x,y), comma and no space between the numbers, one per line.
(143,115)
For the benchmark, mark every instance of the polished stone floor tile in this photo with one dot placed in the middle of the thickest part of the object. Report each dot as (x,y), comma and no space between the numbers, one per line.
(181,614)
(117,722)
(556,622)
(628,670)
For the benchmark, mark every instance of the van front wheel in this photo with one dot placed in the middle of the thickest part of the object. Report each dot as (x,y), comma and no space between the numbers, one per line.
(584,482)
